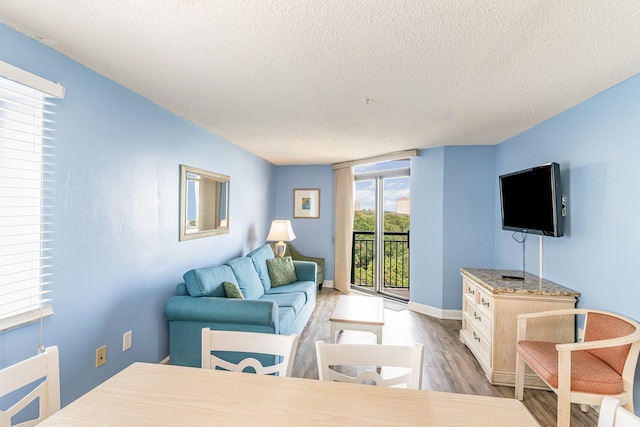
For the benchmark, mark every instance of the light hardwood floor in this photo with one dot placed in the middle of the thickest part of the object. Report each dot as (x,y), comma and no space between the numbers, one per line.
(448,366)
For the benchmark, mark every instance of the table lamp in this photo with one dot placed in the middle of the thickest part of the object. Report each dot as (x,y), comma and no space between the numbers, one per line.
(282,232)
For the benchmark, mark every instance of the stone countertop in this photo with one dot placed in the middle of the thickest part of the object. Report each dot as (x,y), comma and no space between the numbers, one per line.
(492,280)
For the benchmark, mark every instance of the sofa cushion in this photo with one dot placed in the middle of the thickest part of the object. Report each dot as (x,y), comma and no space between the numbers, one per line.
(307,288)
(259,257)
(295,300)
(232,290)
(281,271)
(181,289)
(286,319)
(246,277)
(207,281)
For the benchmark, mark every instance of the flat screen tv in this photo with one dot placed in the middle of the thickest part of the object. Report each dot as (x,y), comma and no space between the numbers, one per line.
(532,201)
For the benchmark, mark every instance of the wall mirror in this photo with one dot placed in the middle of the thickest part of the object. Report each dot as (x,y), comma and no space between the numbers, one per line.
(204,203)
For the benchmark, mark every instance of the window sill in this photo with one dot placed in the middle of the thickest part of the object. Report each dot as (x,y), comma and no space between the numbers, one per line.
(26,318)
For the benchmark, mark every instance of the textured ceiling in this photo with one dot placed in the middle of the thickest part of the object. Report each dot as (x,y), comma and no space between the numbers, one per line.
(286,79)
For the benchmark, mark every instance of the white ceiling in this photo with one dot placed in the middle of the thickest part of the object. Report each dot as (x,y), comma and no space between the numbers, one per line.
(286,79)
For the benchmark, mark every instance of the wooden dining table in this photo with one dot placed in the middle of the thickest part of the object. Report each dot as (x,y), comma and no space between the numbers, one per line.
(146,394)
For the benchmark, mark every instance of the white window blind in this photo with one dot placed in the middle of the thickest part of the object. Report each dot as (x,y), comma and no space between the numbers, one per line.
(26,203)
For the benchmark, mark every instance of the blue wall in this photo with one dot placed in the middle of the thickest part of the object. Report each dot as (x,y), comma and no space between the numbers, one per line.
(314,237)
(452,197)
(468,213)
(117,256)
(597,145)
(427,233)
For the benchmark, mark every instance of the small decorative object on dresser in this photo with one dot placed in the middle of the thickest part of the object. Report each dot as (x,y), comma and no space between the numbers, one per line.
(490,306)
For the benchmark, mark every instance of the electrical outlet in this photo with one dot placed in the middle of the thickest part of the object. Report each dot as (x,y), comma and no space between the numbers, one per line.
(101,356)
(127,340)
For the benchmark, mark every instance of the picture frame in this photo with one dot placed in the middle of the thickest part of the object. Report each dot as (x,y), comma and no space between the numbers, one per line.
(306,203)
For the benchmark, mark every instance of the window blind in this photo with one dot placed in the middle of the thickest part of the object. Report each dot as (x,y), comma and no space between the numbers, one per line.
(26,203)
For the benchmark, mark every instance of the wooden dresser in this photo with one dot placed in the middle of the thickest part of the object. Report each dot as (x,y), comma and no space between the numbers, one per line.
(490,306)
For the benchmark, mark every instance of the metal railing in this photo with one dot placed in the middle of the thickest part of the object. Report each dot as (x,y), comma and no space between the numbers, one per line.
(396,259)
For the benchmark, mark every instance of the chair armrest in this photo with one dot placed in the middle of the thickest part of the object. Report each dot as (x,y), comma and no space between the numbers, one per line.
(521,333)
(221,310)
(297,256)
(589,345)
(319,261)
(550,313)
(305,270)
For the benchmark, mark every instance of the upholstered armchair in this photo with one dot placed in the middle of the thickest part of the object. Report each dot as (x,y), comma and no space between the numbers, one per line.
(297,256)
(585,372)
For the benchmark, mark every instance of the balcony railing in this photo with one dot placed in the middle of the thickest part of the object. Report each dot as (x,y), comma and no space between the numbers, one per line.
(396,259)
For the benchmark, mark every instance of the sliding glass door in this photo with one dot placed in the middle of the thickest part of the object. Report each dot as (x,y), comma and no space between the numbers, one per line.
(381,229)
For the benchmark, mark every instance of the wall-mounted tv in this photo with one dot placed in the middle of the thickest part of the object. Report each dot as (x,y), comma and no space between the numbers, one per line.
(532,201)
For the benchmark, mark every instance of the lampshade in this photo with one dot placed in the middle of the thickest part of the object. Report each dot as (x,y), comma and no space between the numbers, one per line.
(281,231)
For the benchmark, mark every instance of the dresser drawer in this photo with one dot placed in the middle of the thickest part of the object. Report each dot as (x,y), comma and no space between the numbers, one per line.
(485,302)
(468,304)
(477,304)
(480,321)
(470,290)
(477,341)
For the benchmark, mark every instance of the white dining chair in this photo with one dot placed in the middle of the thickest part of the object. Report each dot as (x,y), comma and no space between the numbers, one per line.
(45,367)
(391,365)
(614,415)
(282,347)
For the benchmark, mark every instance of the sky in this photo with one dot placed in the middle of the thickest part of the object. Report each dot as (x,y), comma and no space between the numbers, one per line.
(394,188)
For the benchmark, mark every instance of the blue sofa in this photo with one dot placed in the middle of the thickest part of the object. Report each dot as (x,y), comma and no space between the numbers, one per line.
(201,302)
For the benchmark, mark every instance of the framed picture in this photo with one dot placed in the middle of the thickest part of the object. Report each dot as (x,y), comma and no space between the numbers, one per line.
(306,203)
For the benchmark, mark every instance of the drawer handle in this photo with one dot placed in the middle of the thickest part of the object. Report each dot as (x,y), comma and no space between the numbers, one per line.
(478,318)
(484,303)
(476,337)
(471,291)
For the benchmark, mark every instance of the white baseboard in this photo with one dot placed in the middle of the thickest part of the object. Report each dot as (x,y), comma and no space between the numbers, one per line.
(435,312)
(165,361)
(327,284)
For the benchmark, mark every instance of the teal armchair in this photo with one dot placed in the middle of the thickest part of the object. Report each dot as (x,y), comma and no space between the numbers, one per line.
(297,256)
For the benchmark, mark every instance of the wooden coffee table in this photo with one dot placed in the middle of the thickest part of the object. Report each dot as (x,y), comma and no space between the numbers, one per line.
(358,313)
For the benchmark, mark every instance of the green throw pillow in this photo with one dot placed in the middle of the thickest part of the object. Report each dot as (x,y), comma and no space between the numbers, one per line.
(232,290)
(281,271)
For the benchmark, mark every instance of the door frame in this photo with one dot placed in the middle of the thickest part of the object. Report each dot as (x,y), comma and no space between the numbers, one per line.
(378,178)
